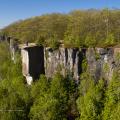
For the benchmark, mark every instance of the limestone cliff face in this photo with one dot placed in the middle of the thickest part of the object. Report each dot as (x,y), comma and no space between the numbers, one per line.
(64,60)
(101,61)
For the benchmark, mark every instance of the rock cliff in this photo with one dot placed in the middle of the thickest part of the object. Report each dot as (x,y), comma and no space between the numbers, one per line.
(101,62)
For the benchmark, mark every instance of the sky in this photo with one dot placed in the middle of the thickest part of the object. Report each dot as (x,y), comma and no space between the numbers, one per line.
(14,10)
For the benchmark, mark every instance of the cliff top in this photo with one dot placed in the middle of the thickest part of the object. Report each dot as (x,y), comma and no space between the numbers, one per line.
(27,45)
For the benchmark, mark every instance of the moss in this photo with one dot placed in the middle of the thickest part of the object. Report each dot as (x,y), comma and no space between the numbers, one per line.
(97,56)
(117,56)
(106,67)
(84,64)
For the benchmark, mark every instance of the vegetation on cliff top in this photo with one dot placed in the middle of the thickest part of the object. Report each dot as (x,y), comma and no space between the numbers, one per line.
(78,28)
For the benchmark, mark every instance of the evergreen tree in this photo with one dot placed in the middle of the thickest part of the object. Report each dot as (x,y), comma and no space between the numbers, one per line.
(90,101)
(112,103)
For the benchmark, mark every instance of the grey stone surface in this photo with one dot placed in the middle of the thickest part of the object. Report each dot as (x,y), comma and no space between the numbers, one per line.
(102,62)
(64,60)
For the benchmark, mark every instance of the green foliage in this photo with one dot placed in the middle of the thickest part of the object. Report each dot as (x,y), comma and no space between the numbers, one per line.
(110,40)
(4,54)
(90,100)
(42,100)
(69,40)
(112,103)
(90,41)
(14,95)
(51,101)
(53,42)
(78,28)
(84,65)
(97,56)
(40,40)
(14,100)
(117,57)
(106,67)
(4,59)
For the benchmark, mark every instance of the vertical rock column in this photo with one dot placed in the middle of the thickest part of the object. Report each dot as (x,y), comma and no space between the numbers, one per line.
(90,55)
(67,61)
(100,63)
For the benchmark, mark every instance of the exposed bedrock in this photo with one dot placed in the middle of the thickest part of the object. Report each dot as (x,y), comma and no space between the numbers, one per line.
(68,61)
(64,60)
(101,62)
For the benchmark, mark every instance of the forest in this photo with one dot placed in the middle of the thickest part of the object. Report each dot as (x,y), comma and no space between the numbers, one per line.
(60,98)
(79,28)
